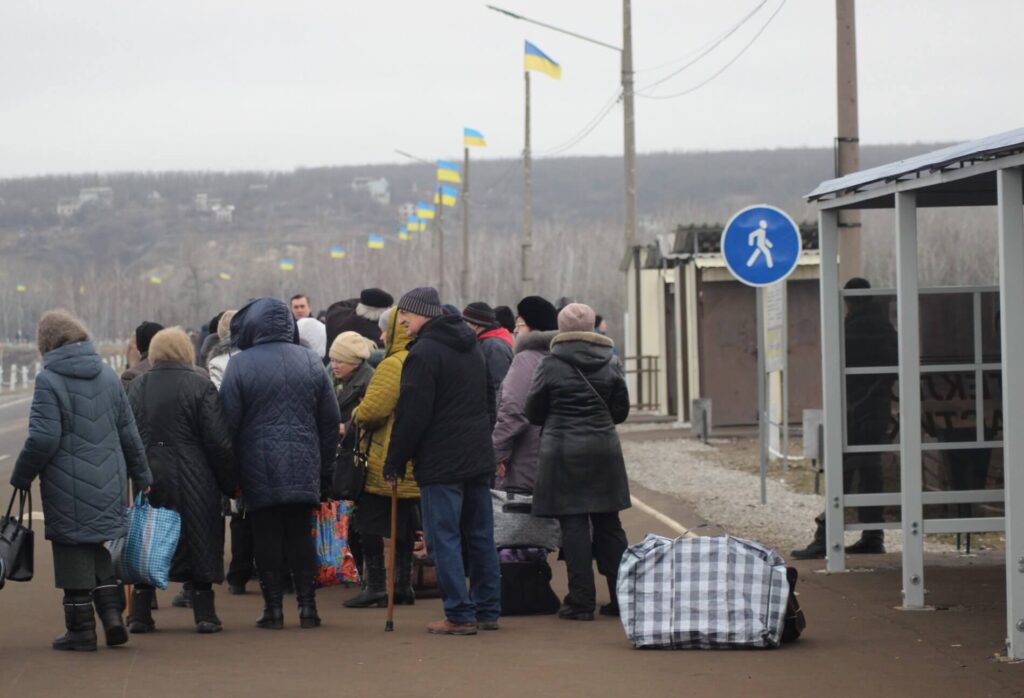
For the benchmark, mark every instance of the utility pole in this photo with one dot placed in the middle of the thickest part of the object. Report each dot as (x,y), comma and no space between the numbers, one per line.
(465,224)
(847,151)
(629,126)
(527,270)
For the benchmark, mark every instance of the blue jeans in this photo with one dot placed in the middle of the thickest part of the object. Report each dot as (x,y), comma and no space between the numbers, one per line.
(449,511)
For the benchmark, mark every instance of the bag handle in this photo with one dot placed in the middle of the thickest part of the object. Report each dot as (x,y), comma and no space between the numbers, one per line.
(589,384)
(22,496)
(720,527)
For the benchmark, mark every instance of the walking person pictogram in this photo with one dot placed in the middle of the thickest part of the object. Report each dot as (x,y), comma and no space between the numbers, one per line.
(759,237)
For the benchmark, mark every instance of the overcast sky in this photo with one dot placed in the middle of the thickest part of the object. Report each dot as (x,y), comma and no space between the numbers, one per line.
(114,85)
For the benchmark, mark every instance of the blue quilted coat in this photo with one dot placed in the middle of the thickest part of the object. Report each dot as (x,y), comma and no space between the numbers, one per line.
(280,408)
(82,443)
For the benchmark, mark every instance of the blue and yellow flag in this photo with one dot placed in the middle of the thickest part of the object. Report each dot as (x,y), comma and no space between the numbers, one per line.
(403,234)
(446,196)
(286,264)
(448,172)
(375,242)
(471,138)
(21,288)
(224,276)
(154,279)
(535,59)
(337,252)
(424,211)
(415,225)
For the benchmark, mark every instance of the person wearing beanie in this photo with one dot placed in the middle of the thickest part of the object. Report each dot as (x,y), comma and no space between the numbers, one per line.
(361,315)
(441,426)
(283,413)
(144,334)
(83,446)
(506,318)
(352,371)
(181,421)
(516,441)
(496,343)
(578,396)
(209,341)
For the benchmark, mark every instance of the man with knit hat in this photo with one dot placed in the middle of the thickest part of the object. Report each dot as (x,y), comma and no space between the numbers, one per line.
(441,425)
(371,306)
(144,334)
(496,343)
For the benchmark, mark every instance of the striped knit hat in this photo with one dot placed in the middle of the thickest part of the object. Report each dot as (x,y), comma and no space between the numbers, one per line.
(422,301)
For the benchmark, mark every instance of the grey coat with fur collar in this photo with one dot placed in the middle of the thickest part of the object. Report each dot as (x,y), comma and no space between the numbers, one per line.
(578,396)
(516,441)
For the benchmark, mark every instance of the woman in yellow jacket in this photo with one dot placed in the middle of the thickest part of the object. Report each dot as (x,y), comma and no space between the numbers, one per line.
(375,416)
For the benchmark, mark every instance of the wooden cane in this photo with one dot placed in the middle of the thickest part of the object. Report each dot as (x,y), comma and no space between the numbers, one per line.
(389,625)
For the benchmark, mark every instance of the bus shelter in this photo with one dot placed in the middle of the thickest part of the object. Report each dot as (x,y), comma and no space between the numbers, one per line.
(950,458)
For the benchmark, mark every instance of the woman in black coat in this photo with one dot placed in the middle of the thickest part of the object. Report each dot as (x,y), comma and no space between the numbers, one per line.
(578,395)
(189,450)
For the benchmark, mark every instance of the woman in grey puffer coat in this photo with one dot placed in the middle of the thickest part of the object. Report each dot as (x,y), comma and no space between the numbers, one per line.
(82,445)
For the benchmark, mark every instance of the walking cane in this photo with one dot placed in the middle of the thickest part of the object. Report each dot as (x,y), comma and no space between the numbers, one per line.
(389,625)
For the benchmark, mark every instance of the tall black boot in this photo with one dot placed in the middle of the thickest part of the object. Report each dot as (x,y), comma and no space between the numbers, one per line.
(140,616)
(870,543)
(375,594)
(816,550)
(273,614)
(108,600)
(404,594)
(80,623)
(305,595)
(204,613)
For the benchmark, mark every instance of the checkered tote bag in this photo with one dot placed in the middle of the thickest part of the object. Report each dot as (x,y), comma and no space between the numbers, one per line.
(706,592)
(144,555)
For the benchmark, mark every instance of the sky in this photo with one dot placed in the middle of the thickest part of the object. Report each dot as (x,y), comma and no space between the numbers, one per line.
(118,85)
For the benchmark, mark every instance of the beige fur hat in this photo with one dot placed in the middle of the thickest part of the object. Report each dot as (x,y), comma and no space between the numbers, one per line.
(172,344)
(350,348)
(57,328)
(224,326)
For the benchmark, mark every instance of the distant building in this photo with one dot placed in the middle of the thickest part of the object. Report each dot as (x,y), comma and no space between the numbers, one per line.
(103,196)
(378,189)
(67,206)
(201,202)
(154,196)
(222,213)
(406,210)
(258,186)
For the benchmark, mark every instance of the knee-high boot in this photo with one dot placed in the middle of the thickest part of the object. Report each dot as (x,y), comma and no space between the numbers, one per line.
(140,615)
(80,623)
(108,599)
(305,596)
(273,614)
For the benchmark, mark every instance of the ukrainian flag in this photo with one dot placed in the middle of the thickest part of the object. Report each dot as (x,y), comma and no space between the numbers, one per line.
(286,264)
(403,234)
(425,211)
(375,242)
(414,225)
(446,196)
(535,59)
(337,252)
(224,276)
(473,138)
(155,279)
(448,172)
(21,288)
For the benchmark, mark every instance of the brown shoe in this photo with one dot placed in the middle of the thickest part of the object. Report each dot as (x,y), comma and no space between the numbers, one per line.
(487,624)
(446,627)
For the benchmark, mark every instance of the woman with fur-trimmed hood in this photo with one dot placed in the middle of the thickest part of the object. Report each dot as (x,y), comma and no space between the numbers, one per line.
(82,445)
(578,396)
(189,449)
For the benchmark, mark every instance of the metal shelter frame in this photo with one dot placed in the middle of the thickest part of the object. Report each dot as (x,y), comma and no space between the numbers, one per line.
(985,172)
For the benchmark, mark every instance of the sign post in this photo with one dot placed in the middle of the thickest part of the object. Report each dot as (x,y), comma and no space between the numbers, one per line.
(761,246)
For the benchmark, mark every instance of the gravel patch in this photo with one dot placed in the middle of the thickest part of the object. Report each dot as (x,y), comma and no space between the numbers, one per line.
(687,469)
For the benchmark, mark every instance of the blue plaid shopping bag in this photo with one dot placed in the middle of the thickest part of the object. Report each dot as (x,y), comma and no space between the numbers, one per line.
(144,555)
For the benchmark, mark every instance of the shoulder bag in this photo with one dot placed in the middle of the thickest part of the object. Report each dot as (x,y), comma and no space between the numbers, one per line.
(16,540)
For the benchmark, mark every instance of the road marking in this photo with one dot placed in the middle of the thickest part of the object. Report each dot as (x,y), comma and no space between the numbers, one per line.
(12,403)
(670,522)
(17,426)
(4,457)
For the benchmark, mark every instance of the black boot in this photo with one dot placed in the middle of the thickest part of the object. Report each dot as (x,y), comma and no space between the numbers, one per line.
(109,600)
(404,594)
(273,615)
(816,550)
(140,616)
(80,623)
(611,608)
(870,543)
(204,613)
(375,594)
(183,599)
(305,595)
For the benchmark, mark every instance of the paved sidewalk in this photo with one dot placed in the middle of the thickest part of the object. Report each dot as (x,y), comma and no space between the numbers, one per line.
(856,644)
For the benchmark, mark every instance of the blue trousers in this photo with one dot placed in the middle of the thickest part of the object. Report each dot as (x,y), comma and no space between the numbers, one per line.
(449,512)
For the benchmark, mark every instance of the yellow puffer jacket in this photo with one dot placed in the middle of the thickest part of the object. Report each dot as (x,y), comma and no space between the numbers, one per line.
(376,413)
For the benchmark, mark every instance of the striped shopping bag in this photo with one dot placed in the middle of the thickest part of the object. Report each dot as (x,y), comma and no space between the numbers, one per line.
(144,555)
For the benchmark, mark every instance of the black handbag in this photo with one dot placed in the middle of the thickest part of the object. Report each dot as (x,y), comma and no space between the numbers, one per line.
(350,467)
(16,541)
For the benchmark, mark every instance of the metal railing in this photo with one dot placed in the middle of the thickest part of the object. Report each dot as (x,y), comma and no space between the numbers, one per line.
(646,371)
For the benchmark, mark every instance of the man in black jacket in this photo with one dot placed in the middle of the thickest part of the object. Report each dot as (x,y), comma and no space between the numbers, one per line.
(442,426)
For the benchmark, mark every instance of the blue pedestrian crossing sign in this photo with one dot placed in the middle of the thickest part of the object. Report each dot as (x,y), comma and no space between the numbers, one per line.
(761,245)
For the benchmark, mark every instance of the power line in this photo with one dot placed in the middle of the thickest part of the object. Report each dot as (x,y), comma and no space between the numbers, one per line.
(724,67)
(587,128)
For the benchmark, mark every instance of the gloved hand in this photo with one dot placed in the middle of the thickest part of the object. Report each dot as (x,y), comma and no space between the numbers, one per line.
(393,474)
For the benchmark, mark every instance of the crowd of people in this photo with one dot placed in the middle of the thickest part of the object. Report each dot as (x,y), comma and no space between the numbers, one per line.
(254,420)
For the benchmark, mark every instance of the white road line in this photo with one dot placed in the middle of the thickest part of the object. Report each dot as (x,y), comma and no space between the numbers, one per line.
(670,522)
(19,401)
(4,457)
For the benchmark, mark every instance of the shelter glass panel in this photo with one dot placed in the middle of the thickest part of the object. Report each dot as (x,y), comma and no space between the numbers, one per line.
(949,406)
(871,473)
(946,323)
(869,331)
(993,405)
(990,334)
(872,409)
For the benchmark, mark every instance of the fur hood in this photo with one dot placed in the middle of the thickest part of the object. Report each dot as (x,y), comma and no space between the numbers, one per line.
(57,328)
(588,337)
(172,344)
(535,341)
(371,314)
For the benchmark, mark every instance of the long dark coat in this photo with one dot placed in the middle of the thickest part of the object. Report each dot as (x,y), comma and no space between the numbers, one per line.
(189,451)
(580,466)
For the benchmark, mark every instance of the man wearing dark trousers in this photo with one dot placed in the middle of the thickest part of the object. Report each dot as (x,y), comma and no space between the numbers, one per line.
(442,426)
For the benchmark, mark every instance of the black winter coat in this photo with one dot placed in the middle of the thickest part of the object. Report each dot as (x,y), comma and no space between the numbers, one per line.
(441,419)
(189,450)
(580,468)
(280,408)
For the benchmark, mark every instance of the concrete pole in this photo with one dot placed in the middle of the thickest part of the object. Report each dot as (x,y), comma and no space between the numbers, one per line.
(629,122)
(851,261)
(465,225)
(527,270)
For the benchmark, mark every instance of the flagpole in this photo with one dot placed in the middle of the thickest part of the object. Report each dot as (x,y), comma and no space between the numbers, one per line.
(465,224)
(527,199)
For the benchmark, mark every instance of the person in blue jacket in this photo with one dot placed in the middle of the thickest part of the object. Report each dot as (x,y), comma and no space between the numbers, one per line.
(283,414)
